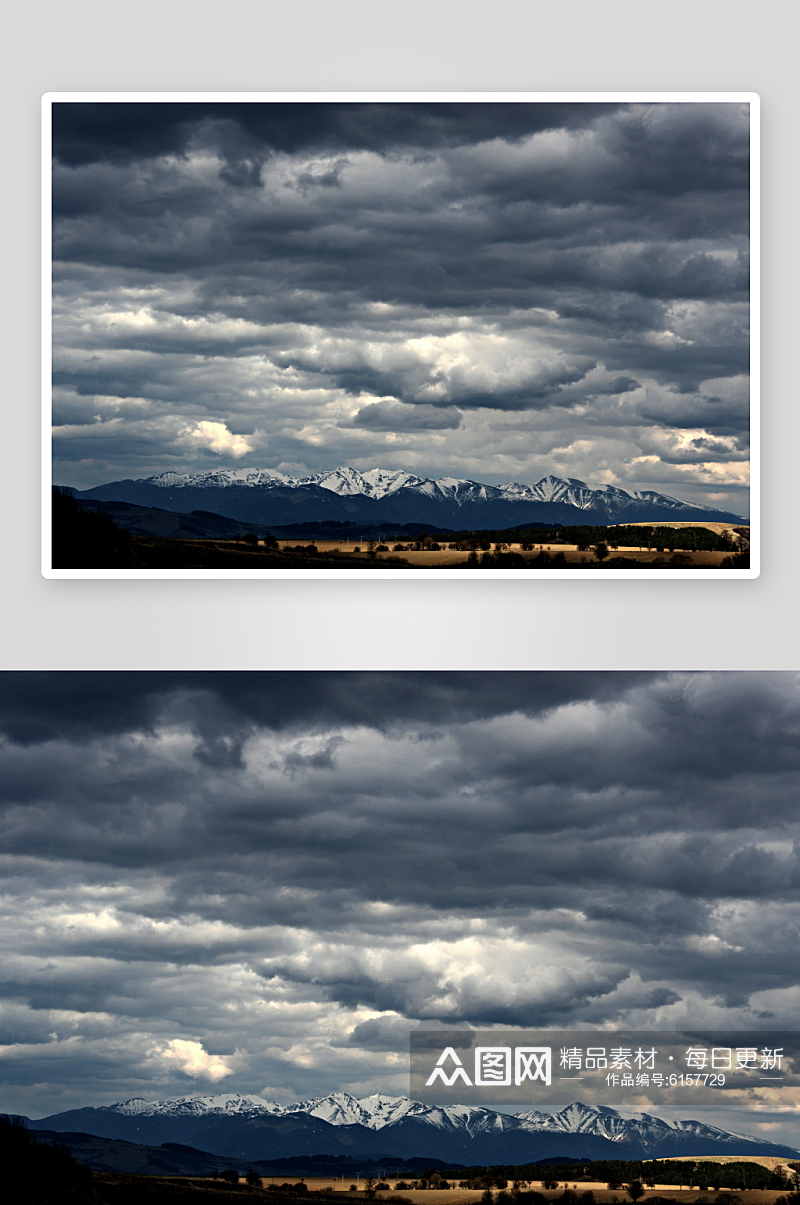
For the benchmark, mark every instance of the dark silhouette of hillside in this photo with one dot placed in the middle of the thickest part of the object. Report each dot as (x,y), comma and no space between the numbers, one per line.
(33,1172)
(147,552)
(199,525)
(86,539)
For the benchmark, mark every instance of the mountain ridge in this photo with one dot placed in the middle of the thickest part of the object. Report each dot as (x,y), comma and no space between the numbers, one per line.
(251,1127)
(394,496)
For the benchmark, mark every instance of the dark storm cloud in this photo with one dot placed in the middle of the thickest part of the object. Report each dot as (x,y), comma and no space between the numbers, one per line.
(326,859)
(286,269)
(395,416)
(626,792)
(42,706)
(89,132)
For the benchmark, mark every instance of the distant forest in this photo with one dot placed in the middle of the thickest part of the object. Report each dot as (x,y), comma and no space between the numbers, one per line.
(702,1174)
(662,539)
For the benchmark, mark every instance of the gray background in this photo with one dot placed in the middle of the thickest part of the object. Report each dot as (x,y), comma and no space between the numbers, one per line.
(441,46)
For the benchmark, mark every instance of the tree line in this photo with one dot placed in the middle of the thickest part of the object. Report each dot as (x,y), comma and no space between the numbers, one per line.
(701,1174)
(585,535)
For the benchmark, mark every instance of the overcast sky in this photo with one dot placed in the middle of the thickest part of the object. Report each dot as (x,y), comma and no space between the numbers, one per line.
(260,882)
(492,291)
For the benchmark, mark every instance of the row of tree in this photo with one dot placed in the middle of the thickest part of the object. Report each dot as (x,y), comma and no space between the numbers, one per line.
(585,536)
(701,1174)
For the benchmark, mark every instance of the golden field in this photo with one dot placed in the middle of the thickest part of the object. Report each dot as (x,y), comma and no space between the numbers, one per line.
(458,557)
(603,1195)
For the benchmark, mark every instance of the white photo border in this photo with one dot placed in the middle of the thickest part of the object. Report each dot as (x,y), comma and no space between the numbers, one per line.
(534,575)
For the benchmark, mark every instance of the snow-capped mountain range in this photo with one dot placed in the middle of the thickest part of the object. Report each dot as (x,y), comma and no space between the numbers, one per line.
(339,1108)
(251,1127)
(395,496)
(383,483)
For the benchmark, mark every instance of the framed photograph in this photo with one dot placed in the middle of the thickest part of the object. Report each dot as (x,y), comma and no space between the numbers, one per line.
(343,927)
(427,335)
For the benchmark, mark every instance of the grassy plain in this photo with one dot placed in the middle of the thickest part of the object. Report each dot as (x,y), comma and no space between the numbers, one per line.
(109,1188)
(603,1195)
(456,558)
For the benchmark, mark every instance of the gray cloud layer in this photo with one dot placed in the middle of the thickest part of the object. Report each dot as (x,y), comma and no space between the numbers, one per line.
(263,880)
(493,290)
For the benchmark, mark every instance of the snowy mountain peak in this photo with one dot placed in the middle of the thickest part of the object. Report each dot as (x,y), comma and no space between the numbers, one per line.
(372,1111)
(338,1108)
(374,483)
(444,496)
(228,1103)
(220,478)
(644,1128)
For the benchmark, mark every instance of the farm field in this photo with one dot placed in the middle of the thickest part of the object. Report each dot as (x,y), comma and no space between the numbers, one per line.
(603,1195)
(445,556)
(120,1189)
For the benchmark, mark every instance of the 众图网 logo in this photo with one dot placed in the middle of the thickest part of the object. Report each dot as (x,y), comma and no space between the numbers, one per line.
(495,1066)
